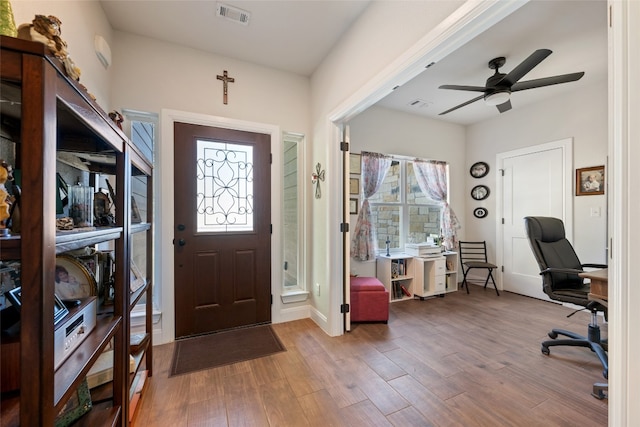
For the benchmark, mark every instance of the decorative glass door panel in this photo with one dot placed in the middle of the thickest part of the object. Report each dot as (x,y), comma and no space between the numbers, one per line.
(224,185)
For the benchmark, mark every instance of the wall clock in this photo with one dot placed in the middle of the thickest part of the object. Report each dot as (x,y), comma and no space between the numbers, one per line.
(479,169)
(480,192)
(480,212)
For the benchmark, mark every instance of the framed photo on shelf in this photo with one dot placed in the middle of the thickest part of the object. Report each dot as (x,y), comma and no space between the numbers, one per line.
(78,404)
(354,186)
(353,206)
(73,279)
(590,181)
(354,163)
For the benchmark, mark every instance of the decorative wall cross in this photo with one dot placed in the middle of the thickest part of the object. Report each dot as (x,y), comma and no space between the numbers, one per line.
(316,178)
(225,84)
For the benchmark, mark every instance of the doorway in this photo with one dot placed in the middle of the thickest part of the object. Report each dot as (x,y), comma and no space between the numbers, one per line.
(222,229)
(536,181)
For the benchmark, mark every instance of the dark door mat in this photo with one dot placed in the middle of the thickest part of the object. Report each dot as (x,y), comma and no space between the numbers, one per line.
(224,348)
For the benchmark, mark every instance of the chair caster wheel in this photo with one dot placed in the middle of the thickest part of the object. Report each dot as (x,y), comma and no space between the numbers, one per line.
(552,335)
(545,350)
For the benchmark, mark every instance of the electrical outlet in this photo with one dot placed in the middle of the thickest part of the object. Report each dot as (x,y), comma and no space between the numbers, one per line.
(318,289)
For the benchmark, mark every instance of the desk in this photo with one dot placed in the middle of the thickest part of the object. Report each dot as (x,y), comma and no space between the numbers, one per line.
(599,285)
(599,293)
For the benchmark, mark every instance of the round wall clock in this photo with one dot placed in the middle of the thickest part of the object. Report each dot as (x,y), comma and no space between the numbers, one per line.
(479,169)
(480,212)
(480,192)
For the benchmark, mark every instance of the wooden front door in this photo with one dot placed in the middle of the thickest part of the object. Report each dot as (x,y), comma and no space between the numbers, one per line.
(222,229)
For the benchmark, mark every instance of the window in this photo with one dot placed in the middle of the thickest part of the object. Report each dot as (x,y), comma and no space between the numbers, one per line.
(400,212)
(292,214)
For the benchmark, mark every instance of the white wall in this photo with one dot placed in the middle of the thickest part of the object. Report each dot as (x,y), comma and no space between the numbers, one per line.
(175,81)
(581,115)
(388,131)
(81,22)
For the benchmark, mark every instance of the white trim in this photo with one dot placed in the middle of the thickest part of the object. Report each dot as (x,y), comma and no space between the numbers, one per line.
(294,296)
(624,209)
(164,264)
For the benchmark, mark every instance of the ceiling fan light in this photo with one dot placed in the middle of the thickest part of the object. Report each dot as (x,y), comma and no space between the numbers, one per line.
(496,98)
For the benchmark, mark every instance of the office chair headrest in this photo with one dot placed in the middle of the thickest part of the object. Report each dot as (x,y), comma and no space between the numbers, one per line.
(544,229)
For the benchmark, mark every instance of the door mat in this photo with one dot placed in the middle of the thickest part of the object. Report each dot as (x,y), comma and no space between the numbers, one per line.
(224,348)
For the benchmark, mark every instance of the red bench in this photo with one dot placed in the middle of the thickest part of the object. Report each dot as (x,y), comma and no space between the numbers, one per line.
(369,300)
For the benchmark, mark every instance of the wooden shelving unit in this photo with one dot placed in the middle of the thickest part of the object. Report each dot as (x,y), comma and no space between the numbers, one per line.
(47,113)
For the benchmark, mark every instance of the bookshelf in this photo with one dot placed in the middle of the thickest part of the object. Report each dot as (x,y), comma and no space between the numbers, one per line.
(396,274)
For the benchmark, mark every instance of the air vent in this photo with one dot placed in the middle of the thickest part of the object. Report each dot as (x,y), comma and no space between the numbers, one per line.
(233,14)
(419,103)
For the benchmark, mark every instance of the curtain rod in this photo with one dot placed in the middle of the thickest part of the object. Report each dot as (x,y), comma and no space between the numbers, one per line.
(403,157)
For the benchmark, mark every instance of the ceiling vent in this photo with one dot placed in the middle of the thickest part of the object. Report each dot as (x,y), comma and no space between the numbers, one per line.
(420,103)
(233,13)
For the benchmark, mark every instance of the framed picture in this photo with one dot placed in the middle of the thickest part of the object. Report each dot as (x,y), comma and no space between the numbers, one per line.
(354,163)
(73,279)
(479,169)
(353,206)
(354,186)
(59,309)
(137,279)
(78,404)
(590,181)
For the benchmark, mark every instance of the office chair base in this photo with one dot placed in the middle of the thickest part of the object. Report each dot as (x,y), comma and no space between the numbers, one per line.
(576,340)
(600,391)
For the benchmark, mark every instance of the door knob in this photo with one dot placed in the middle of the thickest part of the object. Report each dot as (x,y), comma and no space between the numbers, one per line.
(181,242)
(181,227)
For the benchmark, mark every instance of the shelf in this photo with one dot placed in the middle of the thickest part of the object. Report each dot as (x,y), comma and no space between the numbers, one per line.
(401,278)
(102,414)
(65,240)
(75,368)
(137,228)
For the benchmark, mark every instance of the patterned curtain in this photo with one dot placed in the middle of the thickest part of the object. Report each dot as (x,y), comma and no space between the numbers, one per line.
(374,169)
(432,179)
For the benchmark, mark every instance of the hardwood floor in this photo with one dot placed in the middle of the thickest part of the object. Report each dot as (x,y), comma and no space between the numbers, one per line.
(461,360)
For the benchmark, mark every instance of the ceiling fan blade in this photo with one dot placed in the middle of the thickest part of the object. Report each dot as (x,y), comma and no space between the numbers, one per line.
(505,106)
(462,105)
(469,88)
(525,66)
(547,81)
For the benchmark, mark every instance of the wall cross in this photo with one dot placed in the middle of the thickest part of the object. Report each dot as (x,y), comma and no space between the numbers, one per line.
(225,84)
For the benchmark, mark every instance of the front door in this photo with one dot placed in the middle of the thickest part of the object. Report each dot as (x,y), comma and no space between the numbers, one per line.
(222,230)
(536,182)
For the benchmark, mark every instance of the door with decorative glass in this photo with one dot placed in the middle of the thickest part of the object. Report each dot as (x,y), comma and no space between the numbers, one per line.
(222,229)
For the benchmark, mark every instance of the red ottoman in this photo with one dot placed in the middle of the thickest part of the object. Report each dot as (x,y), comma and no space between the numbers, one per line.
(369,300)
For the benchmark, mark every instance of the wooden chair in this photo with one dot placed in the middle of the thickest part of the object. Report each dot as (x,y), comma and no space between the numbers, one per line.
(474,255)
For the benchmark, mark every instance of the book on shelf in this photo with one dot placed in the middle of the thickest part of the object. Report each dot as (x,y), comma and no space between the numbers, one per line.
(102,371)
(405,290)
(138,341)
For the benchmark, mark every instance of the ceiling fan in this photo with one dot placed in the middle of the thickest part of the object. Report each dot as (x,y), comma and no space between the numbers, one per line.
(497,91)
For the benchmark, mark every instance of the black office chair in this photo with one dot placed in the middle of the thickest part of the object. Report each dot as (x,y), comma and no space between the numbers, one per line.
(559,267)
(474,255)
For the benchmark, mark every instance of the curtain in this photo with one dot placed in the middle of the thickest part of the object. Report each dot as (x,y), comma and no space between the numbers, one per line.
(374,169)
(432,179)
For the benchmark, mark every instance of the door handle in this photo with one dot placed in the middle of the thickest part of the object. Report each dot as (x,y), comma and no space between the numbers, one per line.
(181,242)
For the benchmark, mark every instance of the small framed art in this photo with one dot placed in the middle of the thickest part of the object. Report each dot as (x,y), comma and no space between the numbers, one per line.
(354,185)
(353,206)
(590,181)
(354,163)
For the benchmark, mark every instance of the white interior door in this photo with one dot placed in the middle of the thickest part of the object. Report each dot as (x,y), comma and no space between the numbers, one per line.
(536,181)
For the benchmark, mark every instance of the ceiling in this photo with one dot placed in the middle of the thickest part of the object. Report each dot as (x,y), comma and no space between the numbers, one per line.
(296,36)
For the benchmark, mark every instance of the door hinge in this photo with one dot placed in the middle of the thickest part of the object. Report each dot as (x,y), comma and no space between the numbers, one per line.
(502,269)
(344,146)
(502,172)
(502,221)
(344,227)
(270,228)
(271,299)
(270,158)
(344,308)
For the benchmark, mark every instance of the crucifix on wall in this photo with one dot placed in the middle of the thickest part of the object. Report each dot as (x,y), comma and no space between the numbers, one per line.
(225,84)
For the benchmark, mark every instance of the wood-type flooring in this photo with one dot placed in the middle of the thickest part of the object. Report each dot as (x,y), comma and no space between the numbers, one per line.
(462,360)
